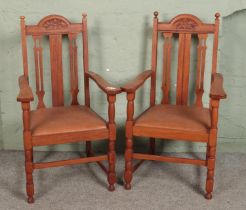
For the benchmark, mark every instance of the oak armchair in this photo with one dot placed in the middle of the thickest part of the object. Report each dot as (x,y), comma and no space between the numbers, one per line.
(181,121)
(61,124)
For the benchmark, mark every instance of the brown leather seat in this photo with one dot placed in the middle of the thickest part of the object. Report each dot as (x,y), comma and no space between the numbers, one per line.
(64,120)
(174,118)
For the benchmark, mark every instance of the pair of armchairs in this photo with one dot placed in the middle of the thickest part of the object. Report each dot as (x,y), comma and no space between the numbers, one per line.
(68,124)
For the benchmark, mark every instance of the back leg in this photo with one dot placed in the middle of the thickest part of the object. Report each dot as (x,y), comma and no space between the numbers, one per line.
(88,149)
(152,146)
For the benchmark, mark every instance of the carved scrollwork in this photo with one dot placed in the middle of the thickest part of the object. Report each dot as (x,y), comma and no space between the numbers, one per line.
(186,23)
(55,23)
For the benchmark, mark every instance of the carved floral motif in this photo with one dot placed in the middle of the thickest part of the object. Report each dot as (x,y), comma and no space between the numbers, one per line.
(186,23)
(54,23)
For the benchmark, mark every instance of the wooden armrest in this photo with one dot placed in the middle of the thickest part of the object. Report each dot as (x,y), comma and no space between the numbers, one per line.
(25,94)
(217,92)
(133,85)
(103,84)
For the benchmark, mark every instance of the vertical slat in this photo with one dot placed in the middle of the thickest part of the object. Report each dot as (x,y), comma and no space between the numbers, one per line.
(215,45)
(198,78)
(180,69)
(41,64)
(201,56)
(166,67)
(39,70)
(24,46)
(183,69)
(36,58)
(154,59)
(186,70)
(85,60)
(71,55)
(56,69)
(76,87)
(73,68)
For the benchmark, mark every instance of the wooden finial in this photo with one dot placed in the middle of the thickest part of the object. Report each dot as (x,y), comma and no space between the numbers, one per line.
(84,15)
(156,14)
(22,17)
(217,15)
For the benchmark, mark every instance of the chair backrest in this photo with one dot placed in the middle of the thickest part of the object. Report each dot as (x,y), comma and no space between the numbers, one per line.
(185,26)
(55,27)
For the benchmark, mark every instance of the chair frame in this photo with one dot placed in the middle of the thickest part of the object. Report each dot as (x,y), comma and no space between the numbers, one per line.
(186,25)
(55,25)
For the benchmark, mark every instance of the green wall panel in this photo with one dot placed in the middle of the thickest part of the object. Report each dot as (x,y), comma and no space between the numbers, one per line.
(120,41)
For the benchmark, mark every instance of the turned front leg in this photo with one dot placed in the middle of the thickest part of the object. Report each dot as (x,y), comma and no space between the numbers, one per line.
(28,152)
(111,145)
(211,150)
(129,143)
